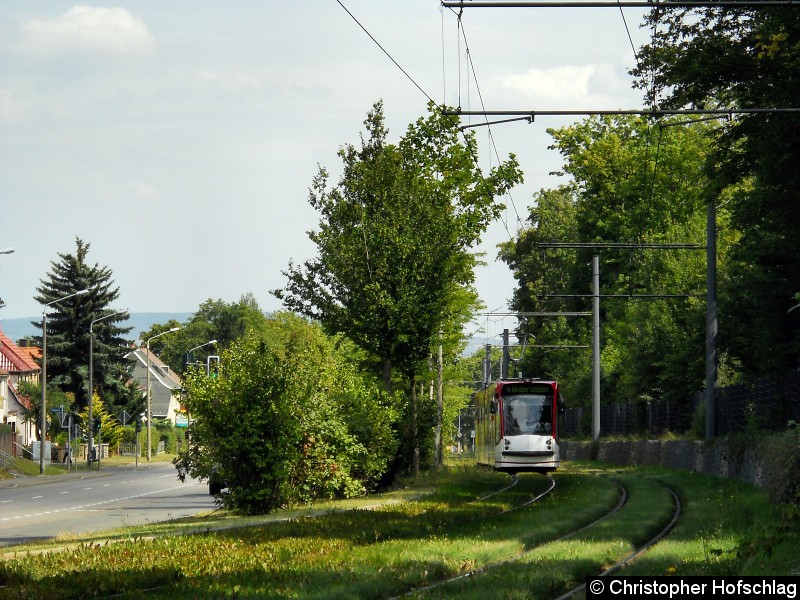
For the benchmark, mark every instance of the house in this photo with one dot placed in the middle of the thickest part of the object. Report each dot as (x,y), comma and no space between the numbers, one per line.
(165,385)
(18,364)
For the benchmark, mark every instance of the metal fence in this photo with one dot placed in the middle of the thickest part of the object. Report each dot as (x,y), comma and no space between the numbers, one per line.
(760,405)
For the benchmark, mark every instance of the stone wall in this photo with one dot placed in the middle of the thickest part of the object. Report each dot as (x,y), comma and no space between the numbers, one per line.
(763,462)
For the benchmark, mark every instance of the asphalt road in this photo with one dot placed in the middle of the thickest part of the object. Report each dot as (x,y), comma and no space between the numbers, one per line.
(37,508)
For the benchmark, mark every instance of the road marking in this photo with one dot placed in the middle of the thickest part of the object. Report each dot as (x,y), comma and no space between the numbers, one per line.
(88,507)
(36,497)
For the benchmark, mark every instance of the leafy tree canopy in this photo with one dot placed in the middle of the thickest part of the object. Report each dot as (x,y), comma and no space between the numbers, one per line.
(395,236)
(287,419)
(215,320)
(631,182)
(746,57)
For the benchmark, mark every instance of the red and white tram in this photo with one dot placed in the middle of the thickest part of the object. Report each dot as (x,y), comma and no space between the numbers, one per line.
(516,425)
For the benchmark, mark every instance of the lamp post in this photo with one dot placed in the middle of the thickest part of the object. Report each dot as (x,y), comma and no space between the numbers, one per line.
(91,388)
(8,250)
(148,385)
(44,374)
(189,353)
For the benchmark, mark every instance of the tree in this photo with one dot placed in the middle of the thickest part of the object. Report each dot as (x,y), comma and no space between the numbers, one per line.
(68,324)
(745,57)
(631,182)
(394,243)
(288,419)
(32,413)
(110,430)
(214,320)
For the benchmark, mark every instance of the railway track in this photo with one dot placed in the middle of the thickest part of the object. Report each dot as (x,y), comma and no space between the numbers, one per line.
(496,573)
(621,564)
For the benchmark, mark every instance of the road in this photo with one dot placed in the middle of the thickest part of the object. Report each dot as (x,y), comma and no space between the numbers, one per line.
(37,508)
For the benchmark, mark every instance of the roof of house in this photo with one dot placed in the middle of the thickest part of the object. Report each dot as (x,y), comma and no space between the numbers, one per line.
(164,382)
(14,359)
(23,400)
(158,368)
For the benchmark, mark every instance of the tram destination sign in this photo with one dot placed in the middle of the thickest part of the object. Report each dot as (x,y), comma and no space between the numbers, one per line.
(527,388)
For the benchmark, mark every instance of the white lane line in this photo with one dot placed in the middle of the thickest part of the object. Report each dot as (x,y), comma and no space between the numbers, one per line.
(37,497)
(85,507)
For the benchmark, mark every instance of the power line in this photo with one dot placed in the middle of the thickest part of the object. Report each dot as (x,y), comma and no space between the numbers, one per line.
(483,106)
(625,3)
(619,246)
(377,43)
(646,112)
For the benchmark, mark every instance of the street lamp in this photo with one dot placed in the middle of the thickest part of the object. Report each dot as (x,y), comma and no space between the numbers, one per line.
(8,250)
(189,353)
(148,385)
(91,389)
(44,373)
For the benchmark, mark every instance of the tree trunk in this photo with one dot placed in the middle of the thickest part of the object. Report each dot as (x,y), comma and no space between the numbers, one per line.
(387,374)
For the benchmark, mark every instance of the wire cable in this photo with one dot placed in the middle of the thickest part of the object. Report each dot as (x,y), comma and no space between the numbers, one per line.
(377,43)
(471,65)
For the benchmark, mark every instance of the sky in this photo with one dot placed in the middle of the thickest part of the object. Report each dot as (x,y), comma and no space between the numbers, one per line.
(179,138)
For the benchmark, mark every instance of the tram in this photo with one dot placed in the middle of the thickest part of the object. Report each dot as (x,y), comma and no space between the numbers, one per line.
(516,425)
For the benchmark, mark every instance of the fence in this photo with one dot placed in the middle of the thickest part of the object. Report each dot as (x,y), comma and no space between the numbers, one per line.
(762,404)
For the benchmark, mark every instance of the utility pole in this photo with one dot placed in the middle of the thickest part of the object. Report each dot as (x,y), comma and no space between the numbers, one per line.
(439,457)
(506,356)
(712,323)
(487,366)
(595,348)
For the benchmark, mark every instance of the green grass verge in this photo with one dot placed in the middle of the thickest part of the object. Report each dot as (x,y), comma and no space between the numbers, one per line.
(345,550)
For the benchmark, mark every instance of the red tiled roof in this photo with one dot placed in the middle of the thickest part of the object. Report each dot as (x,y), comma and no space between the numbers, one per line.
(23,400)
(14,359)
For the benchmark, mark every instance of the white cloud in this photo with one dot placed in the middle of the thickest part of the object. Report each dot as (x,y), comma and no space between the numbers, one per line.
(568,86)
(140,190)
(89,29)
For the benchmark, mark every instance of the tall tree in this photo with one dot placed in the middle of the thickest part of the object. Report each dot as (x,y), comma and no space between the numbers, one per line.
(746,57)
(68,324)
(631,182)
(395,240)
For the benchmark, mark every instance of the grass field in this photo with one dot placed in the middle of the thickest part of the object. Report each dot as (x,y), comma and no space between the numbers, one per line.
(432,530)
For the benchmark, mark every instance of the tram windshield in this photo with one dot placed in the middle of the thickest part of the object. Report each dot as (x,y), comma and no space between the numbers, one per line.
(528,415)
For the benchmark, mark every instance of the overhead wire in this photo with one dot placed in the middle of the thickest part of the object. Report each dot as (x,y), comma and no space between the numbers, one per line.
(377,43)
(419,87)
(471,65)
(652,100)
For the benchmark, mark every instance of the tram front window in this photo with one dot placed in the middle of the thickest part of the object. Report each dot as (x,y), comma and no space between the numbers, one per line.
(528,415)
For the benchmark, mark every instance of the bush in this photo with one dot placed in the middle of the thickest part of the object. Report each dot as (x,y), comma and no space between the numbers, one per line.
(287,419)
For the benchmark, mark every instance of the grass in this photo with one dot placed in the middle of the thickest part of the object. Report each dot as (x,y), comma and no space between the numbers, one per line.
(29,468)
(392,544)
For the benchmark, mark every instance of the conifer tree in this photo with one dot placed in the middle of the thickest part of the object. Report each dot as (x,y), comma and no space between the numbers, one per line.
(68,324)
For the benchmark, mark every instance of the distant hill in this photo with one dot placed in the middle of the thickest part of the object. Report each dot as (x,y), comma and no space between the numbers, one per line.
(18,329)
